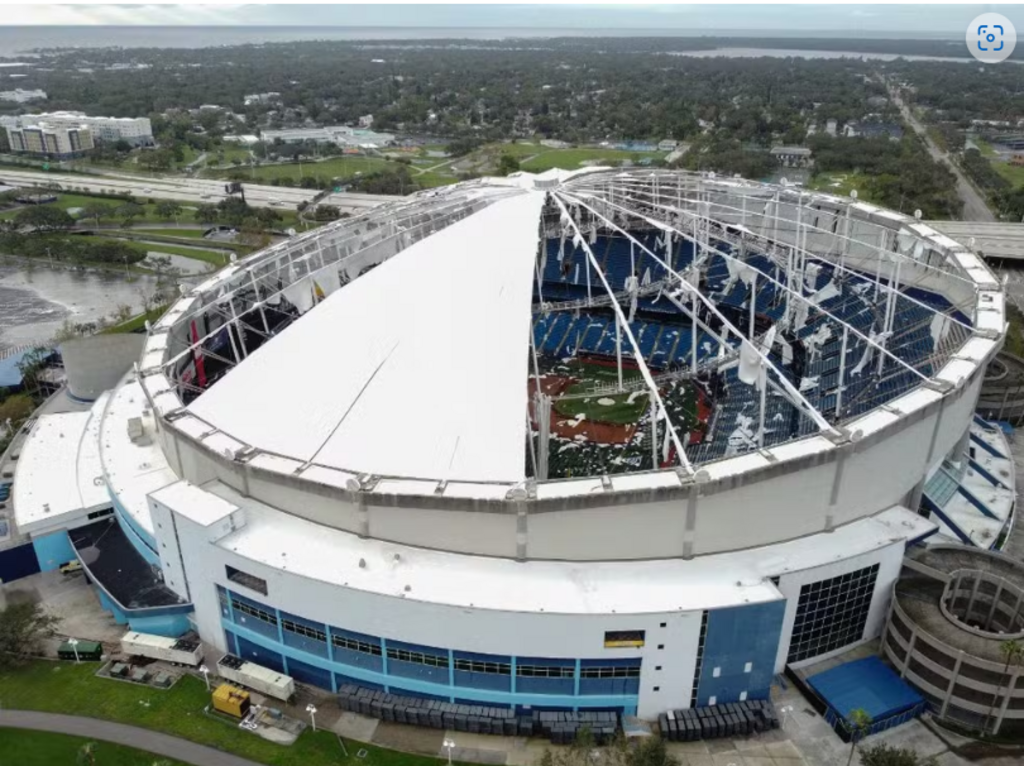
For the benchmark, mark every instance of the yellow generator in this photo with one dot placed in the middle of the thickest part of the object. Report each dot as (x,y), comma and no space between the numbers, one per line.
(231,700)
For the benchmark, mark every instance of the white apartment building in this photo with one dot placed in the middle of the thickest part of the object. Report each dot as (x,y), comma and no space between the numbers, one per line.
(135,130)
(56,141)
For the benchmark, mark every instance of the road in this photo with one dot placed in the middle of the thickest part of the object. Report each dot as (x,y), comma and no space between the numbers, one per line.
(142,739)
(975,208)
(198,190)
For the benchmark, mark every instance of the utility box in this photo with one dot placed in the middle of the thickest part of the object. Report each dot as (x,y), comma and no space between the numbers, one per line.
(231,700)
(87,650)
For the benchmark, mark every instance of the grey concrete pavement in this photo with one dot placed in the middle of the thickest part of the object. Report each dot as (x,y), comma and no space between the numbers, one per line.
(975,208)
(132,736)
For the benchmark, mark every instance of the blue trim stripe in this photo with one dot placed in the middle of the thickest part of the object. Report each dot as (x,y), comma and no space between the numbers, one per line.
(933,508)
(995,482)
(975,502)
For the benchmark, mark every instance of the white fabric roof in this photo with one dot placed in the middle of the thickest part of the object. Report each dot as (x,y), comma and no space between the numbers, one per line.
(418,368)
(58,474)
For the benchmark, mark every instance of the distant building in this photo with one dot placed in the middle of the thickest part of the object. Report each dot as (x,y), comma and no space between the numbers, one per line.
(340,135)
(246,140)
(554,143)
(210,107)
(889,130)
(366,121)
(135,130)
(667,145)
(46,140)
(830,127)
(261,98)
(21,96)
(792,156)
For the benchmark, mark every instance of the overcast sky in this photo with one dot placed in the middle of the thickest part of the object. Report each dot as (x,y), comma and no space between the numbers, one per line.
(895,19)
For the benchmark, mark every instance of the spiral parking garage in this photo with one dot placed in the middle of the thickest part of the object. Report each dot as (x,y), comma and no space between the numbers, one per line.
(459,446)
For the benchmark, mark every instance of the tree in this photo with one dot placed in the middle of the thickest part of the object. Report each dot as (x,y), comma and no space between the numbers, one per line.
(128,212)
(97,211)
(22,627)
(251,233)
(206,213)
(16,409)
(887,755)
(1013,652)
(327,213)
(167,209)
(44,218)
(858,724)
(507,164)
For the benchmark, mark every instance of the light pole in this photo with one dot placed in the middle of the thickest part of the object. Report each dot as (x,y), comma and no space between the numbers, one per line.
(206,675)
(311,709)
(786,710)
(73,643)
(448,745)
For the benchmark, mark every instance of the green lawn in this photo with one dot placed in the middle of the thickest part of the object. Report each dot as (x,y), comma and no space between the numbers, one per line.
(1012,173)
(136,322)
(325,170)
(984,147)
(572,159)
(61,687)
(40,748)
(209,256)
(66,200)
(840,184)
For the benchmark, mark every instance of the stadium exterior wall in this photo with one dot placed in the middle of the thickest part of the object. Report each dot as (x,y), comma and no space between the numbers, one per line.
(835,484)
(749,649)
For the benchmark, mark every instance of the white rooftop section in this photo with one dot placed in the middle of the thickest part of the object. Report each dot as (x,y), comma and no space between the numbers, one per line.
(58,474)
(632,587)
(433,342)
(133,469)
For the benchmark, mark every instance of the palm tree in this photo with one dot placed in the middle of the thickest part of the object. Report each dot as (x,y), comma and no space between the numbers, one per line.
(858,723)
(1013,651)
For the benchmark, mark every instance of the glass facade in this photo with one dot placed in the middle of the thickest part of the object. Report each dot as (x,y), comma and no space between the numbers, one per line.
(832,613)
(329,655)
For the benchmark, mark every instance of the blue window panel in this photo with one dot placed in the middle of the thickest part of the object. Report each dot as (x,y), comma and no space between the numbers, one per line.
(309,674)
(531,685)
(304,634)
(231,641)
(609,686)
(548,662)
(341,680)
(393,644)
(251,602)
(415,670)
(247,650)
(256,625)
(355,636)
(735,637)
(477,656)
(222,599)
(617,662)
(358,659)
(473,680)
(305,643)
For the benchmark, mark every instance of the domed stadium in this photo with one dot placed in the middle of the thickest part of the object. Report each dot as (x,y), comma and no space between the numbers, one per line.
(609,440)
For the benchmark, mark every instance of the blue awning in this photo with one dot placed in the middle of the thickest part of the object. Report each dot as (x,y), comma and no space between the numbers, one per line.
(867,684)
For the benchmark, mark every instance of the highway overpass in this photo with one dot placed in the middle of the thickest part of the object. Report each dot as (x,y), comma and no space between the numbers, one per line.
(192,190)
